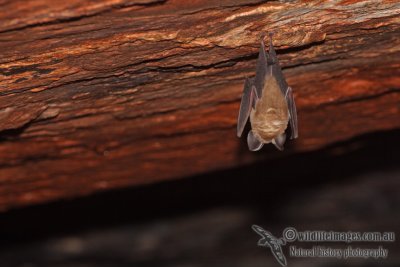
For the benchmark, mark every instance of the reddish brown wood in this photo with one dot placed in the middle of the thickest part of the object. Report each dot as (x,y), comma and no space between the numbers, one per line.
(105,95)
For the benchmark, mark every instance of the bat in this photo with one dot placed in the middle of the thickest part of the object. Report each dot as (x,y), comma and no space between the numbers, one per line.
(268,101)
(268,240)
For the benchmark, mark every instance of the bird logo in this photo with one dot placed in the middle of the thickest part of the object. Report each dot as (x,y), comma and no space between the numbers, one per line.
(275,244)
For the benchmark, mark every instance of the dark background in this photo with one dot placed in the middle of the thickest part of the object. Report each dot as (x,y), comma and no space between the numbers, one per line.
(206,220)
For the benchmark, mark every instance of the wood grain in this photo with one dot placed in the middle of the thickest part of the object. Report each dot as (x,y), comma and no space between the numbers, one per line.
(99,95)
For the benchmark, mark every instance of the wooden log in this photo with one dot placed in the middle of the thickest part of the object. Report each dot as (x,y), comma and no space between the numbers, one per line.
(99,95)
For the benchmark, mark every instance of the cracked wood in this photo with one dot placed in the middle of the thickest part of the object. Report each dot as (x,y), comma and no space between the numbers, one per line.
(100,95)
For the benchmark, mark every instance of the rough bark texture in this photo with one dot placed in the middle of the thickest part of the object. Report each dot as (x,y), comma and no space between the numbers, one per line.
(97,95)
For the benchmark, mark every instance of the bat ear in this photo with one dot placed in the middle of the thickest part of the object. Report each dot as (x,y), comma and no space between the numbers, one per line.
(262,36)
(279,141)
(253,142)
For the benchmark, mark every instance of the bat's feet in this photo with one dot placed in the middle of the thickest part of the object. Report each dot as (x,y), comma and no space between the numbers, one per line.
(262,36)
(270,34)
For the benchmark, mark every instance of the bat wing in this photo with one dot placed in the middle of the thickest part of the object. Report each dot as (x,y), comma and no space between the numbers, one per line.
(253,143)
(261,69)
(248,102)
(251,93)
(285,89)
(276,70)
(292,113)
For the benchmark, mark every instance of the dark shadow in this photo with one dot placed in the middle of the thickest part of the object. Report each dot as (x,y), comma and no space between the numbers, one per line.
(255,185)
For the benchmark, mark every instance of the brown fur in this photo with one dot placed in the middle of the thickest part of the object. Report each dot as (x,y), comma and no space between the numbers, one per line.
(270,116)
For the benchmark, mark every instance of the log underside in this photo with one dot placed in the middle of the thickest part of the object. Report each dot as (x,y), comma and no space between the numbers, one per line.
(98,96)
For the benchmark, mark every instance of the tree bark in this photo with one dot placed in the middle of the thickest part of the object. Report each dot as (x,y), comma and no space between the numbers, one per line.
(95,96)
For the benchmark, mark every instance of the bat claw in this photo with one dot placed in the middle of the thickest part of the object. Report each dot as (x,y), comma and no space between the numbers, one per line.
(270,34)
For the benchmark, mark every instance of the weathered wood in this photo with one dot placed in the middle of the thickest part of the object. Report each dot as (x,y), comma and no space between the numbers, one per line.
(103,95)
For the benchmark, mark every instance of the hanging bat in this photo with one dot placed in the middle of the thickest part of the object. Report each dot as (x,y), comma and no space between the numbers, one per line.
(268,240)
(268,101)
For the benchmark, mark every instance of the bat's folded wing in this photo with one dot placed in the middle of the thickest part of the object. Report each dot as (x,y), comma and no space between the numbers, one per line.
(261,70)
(292,113)
(245,106)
